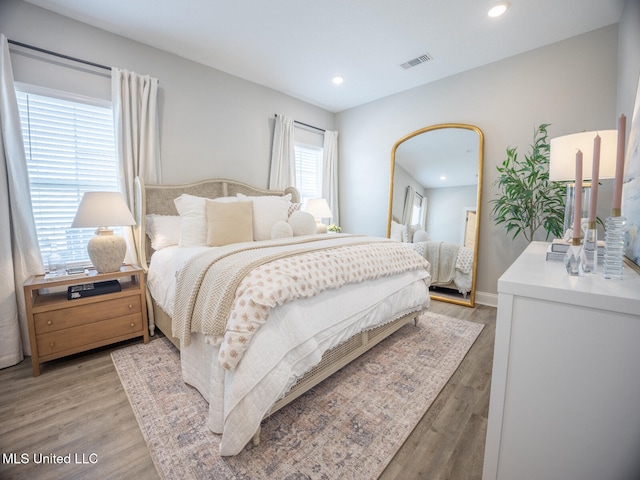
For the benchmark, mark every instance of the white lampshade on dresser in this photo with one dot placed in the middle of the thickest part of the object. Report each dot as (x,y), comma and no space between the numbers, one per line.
(102,210)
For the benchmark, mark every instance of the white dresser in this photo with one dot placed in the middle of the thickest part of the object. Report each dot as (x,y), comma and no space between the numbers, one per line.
(565,390)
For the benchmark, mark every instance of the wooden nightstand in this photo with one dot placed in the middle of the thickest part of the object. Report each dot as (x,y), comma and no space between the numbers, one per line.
(59,327)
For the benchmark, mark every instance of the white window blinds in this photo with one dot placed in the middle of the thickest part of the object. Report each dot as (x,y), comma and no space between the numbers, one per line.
(308,170)
(70,149)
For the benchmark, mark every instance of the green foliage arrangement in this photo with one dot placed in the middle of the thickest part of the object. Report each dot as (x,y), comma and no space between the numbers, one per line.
(527,199)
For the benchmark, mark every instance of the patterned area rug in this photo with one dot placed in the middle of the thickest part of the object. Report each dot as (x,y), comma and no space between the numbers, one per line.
(348,427)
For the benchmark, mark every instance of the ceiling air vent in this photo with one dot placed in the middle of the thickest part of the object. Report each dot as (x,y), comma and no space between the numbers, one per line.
(417,61)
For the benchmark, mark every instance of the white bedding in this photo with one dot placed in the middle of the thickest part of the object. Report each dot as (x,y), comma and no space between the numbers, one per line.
(449,263)
(239,399)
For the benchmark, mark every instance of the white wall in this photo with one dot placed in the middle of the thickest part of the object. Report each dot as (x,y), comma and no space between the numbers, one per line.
(447,212)
(628,58)
(212,124)
(570,84)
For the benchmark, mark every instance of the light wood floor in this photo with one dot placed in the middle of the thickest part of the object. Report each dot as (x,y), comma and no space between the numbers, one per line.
(77,407)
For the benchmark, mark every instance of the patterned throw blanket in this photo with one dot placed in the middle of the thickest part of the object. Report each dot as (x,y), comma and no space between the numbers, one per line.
(230,290)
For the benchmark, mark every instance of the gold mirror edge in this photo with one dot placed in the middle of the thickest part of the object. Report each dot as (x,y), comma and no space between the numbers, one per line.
(463,303)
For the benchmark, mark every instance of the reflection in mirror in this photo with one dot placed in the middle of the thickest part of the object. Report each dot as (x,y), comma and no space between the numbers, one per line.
(434,204)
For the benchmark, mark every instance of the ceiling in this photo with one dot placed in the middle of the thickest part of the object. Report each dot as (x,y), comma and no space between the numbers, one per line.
(441,158)
(297,46)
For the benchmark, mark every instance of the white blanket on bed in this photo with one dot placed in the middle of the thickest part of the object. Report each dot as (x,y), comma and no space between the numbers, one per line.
(239,399)
(231,291)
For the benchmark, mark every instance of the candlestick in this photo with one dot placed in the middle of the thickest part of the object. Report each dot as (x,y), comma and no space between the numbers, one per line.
(595,178)
(577,214)
(617,189)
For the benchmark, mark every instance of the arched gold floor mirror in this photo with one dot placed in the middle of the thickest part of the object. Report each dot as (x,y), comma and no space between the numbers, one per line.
(434,204)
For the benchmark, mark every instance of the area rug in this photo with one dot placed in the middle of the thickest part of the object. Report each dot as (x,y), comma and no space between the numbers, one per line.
(348,427)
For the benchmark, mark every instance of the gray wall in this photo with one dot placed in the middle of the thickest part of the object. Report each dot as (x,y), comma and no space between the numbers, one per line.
(212,124)
(570,84)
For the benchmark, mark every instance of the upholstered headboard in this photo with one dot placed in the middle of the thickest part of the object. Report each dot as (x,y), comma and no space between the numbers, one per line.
(159,200)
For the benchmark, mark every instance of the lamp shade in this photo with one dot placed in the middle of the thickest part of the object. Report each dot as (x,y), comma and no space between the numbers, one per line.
(102,209)
(319,208)
(562,158)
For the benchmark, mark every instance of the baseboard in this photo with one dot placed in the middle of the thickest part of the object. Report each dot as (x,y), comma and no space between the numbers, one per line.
(489,299)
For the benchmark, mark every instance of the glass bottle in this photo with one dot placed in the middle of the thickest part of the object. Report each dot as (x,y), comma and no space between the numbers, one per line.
(55,261)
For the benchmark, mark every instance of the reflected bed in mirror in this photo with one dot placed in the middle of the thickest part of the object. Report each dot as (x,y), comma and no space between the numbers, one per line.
(434,204)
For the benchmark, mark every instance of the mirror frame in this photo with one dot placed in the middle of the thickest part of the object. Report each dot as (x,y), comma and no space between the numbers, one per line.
(470,301)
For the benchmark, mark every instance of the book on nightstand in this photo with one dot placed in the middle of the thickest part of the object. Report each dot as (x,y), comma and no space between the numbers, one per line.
(91,289)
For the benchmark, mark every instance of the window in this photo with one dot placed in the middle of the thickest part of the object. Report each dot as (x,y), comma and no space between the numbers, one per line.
(70,149)
(308,166)
(417,213)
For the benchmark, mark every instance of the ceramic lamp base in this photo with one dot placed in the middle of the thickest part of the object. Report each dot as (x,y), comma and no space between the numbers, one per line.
(107,251)
(320,227)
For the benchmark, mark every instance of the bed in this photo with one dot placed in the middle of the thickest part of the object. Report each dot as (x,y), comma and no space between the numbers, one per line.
(335,307)
(451,264)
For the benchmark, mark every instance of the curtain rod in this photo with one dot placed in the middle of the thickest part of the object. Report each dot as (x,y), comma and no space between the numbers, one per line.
(55,54)
(307,125)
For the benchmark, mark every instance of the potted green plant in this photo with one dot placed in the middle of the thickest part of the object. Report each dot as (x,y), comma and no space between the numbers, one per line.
(527,199)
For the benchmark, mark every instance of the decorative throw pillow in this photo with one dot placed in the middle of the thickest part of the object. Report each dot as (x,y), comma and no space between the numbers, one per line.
(302,223)
(193,218)
(294,207)
(267,210)
(228,222)
(163,230)
(281,229)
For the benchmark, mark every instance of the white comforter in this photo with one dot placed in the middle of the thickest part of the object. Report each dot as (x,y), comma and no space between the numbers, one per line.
(239,399)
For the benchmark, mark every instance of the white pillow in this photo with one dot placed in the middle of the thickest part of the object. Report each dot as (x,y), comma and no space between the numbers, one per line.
(193,218)
(281,229)
(421,236)
(163,230)
(398,231)
(267,210)
(302,223)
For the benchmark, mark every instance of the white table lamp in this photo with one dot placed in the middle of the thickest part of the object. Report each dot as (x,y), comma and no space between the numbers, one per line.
(102,210)
(319,208)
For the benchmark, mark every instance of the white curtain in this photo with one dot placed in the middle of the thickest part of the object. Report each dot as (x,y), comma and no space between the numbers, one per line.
(19,252)
(135,108)
(330,173)
(283,155)
(408,205)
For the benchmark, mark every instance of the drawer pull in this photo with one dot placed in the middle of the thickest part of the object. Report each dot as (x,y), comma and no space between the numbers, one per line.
(49,322)
(130,306)
(52,344)
(132,324)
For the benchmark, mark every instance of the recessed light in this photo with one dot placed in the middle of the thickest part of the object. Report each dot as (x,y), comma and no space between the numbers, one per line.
(338,79)
(498,9)
(443,177)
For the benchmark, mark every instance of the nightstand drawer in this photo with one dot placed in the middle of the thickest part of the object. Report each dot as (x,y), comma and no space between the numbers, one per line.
(88,334)
(73,316)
